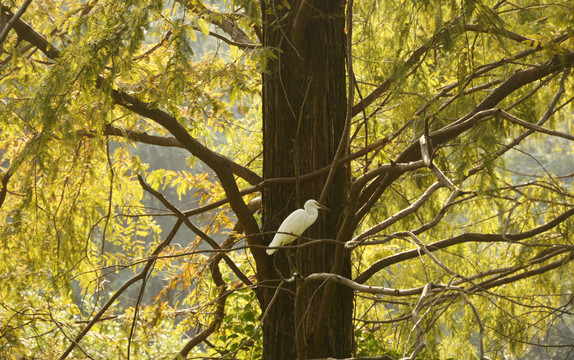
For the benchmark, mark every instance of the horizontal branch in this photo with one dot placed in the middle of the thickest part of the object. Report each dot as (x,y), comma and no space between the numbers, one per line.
(230,42)
(384,169)
(513,119)
(523,274)
(504,279)
(380,290)
(498,31)
(138,136)
(460,239)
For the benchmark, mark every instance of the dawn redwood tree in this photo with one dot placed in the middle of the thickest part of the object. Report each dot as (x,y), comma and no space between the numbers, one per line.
(304,108)
(439,135)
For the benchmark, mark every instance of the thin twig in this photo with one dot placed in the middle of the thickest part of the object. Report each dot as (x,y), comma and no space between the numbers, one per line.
(123,288)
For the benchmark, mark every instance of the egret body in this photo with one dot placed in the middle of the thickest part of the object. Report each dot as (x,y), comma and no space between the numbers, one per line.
(294,225)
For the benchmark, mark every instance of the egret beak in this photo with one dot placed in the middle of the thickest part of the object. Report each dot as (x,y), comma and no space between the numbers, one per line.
(323,207)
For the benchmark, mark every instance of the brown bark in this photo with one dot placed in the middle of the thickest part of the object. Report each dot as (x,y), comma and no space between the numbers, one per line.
(303,118)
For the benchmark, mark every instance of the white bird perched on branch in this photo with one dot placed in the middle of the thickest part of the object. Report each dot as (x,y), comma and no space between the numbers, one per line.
(294,225)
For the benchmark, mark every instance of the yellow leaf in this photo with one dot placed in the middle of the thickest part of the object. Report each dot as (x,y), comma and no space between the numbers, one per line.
(203,26)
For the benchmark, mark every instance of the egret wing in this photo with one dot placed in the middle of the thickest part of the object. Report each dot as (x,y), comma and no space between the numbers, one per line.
(293,224)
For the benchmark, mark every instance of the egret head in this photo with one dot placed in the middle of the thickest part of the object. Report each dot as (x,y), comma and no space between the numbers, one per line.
(314,204)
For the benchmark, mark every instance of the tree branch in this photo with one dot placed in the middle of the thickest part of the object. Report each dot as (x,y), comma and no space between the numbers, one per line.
(213,262)
(230,42)
(421,343)
(5,178)
(479,322)
(357,240)
(220,20)
(485,109)
(215,271)
(202,336)
(490,283)
(138,136)
(549,112)
(463,238)
(498,31)
(513,119)
(141,275)
(308,176)
(214,160)
(25,32)
(434,41)
(11,22)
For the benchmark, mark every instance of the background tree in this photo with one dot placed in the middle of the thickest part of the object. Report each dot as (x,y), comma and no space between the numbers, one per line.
(440,135)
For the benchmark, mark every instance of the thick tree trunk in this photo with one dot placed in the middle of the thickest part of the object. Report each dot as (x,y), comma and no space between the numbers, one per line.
(304,102)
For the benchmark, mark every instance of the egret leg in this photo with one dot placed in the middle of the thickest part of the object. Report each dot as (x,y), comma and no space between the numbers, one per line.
(290,264)
(292,268)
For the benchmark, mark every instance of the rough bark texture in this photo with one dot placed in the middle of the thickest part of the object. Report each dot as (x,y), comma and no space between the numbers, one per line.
(303,118)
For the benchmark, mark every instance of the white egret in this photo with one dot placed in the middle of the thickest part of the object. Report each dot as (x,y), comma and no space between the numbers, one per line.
(294,225)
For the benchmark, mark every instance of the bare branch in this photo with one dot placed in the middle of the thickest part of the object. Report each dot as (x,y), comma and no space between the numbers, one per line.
(421,343)
(480,326)
(513,119)
(468,237)
(395,217)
